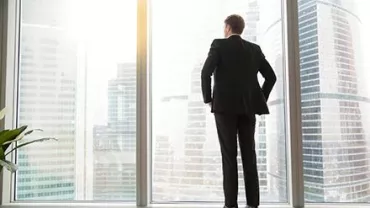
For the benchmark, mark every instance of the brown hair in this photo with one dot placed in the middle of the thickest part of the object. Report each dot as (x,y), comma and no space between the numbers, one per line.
(236,22)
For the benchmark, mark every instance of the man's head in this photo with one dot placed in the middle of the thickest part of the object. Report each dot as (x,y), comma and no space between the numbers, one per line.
(234,24)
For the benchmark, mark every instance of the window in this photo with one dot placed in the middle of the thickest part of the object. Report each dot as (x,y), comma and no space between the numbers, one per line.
(72,68)
(336,139)
(77,81)
(186,160)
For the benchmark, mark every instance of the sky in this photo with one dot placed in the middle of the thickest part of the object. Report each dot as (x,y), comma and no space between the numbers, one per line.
(181,35)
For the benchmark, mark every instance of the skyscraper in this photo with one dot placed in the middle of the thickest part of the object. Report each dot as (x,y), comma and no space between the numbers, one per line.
(251,21)
(263,26)
(115,149)
(195,135)
(168,166)
(122,108)
(47,100)
(335,146)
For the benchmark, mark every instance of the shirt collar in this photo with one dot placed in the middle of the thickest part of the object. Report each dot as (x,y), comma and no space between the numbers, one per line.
(234,34)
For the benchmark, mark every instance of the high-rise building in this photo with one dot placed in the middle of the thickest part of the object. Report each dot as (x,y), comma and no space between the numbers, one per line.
(195,136)
(251,21)
(122,108)
(47,100)
(334,99)
(168,166)
(163,168)
(115,150)
(263,26)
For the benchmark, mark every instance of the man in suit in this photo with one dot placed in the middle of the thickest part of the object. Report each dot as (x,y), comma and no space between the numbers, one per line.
(236,98)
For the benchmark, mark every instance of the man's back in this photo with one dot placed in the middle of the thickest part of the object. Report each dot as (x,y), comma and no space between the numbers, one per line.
(237,96)
(235,64)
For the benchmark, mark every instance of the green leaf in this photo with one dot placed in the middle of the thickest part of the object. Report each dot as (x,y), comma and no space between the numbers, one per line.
(2,113)
(30,142)
(21,136)
(9,165)
(11,135)
(2,154)
(3,132)
(17,138)
(31,131)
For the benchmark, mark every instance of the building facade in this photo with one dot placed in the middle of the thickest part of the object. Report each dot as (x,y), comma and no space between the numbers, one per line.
(47,100)
(335,103)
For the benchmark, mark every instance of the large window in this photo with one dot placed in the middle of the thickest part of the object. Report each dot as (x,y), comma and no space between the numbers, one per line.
(186,159)
(117,82)
(77,82)
(335,91)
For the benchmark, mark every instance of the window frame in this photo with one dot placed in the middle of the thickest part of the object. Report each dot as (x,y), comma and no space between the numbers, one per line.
(293,100)
(9,36)
(9,59)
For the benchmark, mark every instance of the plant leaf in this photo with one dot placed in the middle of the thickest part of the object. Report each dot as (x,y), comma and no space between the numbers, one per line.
(21,136)
(9,165)
(31,131)
(10,135)
(2,113)
(2,154)
(3,132)
(30,142)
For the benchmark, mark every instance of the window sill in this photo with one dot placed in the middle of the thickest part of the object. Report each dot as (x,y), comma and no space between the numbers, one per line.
(114,205)
(205,205)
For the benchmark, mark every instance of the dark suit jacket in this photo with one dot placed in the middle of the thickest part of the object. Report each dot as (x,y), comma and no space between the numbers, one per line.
(235,64)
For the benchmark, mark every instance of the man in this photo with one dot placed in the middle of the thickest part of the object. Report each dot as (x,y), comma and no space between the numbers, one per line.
(237,97)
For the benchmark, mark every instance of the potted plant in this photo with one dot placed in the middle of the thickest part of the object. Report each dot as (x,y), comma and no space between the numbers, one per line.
(13,136)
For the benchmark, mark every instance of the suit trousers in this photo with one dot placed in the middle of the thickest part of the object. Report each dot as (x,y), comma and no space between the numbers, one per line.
(229,126)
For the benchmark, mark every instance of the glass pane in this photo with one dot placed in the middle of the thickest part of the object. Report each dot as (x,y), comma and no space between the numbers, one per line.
(335,90)
(186,159)
(77,82)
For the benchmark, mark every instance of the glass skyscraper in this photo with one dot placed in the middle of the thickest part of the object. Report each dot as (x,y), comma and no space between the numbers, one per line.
(115,144)
(47,101)
(335,103)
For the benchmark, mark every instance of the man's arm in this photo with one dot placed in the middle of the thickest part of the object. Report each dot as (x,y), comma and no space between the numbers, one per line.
(207,71)
(269,75)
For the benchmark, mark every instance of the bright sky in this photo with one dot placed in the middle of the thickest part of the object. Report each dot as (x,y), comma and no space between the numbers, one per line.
(182,33)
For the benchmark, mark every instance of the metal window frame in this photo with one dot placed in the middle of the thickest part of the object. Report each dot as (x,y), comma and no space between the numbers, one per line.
(144,137)
(3,25)
(9,49)
(143,158)
(9,82)
(293,101)
(142,106)
(293,88)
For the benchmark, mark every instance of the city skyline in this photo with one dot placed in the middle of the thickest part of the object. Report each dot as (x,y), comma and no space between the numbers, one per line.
(82,90)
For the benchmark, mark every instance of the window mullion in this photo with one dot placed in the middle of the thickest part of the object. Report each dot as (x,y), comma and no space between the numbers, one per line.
(142,106)
(9,34)
(295,162)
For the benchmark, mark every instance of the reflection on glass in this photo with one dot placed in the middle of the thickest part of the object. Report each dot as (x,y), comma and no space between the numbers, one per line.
(335,99)
(186,159)
(77,82)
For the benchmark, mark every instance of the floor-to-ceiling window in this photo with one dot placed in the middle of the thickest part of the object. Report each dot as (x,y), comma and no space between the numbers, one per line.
(77,68)
(77,82)
(186,159)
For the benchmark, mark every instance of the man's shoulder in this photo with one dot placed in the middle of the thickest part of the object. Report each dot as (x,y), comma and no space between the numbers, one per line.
(254,45)
(218,41)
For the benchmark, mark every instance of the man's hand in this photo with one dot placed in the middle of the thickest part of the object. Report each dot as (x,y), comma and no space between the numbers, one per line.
(209,104)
